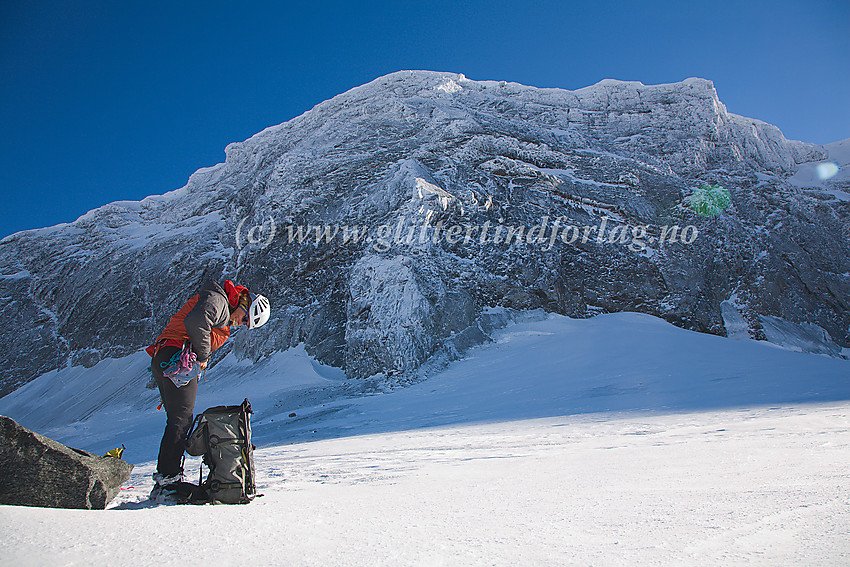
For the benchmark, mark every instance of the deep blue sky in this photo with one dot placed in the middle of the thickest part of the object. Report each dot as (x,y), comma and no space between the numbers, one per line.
(106,101)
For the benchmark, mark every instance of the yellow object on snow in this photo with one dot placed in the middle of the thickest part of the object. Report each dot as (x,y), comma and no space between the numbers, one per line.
(116,453)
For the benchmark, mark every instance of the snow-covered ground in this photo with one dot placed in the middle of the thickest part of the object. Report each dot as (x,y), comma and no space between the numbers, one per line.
(827,174)
(617,440)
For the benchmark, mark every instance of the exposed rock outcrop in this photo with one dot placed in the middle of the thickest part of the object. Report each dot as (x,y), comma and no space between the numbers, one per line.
(38,471)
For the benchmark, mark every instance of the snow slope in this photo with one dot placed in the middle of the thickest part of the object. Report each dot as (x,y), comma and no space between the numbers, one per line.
(615,440)
(828,175)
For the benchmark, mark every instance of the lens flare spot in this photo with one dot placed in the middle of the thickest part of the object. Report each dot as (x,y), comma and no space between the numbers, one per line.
(826,170)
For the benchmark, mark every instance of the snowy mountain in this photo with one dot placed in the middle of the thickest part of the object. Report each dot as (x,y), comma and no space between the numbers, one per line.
(436,169)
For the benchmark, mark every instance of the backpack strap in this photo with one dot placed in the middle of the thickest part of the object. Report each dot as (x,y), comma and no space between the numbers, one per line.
(194,425)
(247,449)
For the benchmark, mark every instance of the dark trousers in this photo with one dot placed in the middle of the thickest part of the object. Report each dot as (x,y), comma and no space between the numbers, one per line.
(179,405)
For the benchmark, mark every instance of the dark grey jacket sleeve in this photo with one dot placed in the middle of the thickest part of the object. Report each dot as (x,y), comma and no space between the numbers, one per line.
(210,311)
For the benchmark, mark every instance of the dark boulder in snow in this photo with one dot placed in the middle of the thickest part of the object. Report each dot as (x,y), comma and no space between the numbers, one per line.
(38,471)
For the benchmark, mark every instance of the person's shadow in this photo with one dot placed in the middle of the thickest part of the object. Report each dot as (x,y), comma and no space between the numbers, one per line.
(138,505)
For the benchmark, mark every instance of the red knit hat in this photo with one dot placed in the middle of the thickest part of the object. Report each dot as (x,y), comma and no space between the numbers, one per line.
(234,292)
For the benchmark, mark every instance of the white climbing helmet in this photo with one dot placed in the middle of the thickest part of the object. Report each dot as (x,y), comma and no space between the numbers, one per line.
(259,312)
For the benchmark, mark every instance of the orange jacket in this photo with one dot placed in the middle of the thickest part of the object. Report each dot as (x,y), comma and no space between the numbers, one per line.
(175,333)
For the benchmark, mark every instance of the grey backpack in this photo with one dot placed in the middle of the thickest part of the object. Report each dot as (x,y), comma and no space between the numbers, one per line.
(223,436)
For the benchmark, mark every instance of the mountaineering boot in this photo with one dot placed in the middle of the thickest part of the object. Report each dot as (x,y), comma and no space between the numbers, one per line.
(165,488)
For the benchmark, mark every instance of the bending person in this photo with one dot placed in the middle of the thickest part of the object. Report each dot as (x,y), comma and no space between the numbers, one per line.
(201,326)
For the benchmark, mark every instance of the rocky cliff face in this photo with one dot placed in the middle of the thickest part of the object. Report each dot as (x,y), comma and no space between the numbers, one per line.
(440,170)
